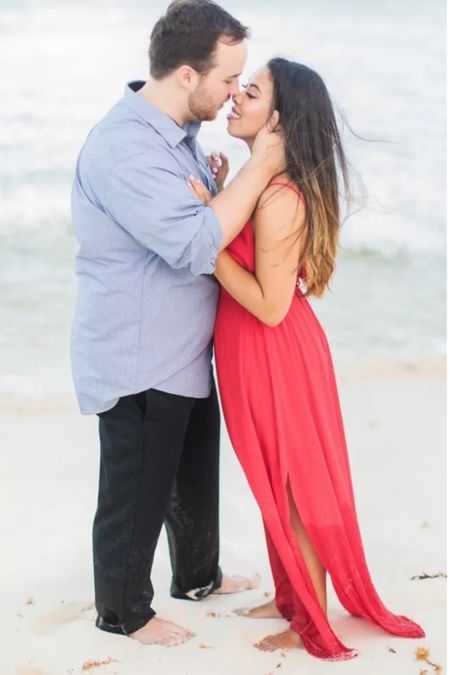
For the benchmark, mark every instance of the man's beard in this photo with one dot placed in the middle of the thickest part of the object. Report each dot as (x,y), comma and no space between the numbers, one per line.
(201,105)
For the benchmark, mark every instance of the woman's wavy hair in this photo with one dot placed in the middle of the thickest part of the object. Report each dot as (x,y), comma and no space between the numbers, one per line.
(316,164)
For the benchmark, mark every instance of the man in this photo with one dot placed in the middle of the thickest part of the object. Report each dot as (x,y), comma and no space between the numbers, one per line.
(141,340)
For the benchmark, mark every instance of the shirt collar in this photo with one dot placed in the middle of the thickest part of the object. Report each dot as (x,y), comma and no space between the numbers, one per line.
(159,120)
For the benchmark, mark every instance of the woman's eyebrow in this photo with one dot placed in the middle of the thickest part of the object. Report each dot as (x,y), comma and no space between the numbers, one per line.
(256,87)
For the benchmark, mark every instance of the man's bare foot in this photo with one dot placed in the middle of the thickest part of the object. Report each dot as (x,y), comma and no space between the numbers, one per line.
(160,632)
(267,611)
(236,584)
(285,640)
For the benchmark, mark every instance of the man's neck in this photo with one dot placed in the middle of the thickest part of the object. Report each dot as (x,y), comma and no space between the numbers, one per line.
(162,96)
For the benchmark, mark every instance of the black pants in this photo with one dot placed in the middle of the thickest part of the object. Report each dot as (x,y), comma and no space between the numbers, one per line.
(159,464)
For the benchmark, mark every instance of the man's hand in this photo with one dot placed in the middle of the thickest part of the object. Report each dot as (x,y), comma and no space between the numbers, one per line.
(219,165)
(268,147)
(199,190)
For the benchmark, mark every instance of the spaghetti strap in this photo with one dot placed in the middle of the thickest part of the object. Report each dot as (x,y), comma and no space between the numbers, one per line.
(291,187)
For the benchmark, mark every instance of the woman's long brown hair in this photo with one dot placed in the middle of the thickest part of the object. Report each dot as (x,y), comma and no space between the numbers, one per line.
(315,162)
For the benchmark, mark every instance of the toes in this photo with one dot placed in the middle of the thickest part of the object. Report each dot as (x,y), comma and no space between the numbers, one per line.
(245,582)
(265,646)
(184,635)
(181,632)
(237,583)
(169,635)
(178,639)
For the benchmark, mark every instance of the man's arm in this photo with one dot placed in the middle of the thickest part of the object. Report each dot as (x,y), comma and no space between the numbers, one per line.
(151,199)
(153,203)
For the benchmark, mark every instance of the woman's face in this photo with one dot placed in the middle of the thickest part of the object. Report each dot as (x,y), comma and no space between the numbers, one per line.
(252,107)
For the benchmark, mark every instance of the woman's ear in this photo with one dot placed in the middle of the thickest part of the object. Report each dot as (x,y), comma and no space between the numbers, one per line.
(274,121)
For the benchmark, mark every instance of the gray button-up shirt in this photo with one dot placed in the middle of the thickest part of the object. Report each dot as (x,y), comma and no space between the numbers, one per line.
(146,301)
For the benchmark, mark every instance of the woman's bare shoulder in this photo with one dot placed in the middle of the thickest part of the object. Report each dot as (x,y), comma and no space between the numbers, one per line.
(279,208)
(280,188)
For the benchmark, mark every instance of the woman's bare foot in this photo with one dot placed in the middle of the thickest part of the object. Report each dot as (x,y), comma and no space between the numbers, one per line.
(267,611)
(236,584)
(160,632)
(285,640)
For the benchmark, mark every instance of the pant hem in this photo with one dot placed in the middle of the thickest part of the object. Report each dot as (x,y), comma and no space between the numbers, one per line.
(123,628)
(196,594)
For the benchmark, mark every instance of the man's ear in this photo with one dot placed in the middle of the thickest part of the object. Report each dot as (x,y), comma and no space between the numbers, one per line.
(188,78)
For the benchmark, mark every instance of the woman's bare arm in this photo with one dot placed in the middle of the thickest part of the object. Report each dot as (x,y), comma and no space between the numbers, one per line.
(268,293)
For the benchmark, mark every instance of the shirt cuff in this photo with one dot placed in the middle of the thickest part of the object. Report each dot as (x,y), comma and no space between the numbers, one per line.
(212,222)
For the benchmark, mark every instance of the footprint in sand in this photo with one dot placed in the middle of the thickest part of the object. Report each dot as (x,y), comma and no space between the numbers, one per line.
(45,623)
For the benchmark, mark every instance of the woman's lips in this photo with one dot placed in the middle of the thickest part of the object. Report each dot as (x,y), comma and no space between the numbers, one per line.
(233,115)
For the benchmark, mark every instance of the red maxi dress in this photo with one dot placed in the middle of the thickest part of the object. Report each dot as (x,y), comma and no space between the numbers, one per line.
(281,407)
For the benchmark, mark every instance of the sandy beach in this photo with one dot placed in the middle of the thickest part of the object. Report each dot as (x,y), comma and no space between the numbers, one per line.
(384,64)
(395,430)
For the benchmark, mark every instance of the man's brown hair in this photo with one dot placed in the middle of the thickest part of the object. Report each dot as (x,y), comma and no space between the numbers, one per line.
(188,34)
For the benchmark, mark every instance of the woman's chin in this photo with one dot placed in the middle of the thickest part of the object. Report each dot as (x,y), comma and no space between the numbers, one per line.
(231,129)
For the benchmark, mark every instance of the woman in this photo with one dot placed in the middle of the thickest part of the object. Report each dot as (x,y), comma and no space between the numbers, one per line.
(275,371)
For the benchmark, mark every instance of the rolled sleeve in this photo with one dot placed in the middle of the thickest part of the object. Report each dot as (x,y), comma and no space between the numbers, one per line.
(153,202)
(212,223)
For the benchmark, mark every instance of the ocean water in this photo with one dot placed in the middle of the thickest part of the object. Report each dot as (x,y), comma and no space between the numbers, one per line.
(64,64)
